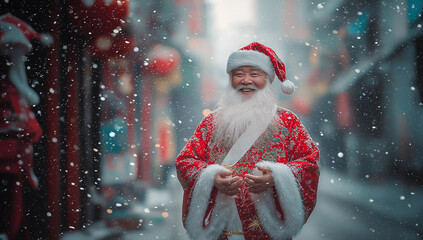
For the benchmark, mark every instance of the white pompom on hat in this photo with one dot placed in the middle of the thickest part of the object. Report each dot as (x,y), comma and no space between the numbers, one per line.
(260,56)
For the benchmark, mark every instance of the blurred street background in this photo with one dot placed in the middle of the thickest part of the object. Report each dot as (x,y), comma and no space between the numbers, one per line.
(124,84)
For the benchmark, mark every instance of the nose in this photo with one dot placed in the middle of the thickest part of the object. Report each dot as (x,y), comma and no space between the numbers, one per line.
(246,80)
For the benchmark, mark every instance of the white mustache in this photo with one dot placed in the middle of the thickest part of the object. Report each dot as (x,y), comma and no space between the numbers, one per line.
(246,86)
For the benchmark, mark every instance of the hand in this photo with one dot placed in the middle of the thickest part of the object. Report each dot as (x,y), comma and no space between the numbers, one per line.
(259,184)
(228,186)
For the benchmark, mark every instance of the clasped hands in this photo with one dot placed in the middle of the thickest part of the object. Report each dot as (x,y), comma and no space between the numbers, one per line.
(255,184)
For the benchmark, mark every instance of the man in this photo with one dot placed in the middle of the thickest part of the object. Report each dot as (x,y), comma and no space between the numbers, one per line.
(250,171)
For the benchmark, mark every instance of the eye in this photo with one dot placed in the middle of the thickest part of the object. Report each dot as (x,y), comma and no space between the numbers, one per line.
(255,74)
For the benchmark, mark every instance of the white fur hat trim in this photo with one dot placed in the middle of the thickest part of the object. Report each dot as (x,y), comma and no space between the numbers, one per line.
(250,58)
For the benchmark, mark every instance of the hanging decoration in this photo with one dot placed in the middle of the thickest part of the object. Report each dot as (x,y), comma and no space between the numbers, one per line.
(162,63)
(162,60)
(344,111)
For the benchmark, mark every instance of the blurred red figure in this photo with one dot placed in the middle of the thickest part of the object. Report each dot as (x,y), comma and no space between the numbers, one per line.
(251,170)
(18,125)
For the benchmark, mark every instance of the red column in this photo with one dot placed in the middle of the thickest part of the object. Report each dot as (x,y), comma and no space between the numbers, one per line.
(131,110)
(144,169)
(52,133)
(72,144)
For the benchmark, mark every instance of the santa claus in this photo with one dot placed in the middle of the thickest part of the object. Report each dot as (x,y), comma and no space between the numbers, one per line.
(251,170)
(19,128)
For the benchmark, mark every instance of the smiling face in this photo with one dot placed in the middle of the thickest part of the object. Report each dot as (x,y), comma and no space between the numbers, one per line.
(247,79)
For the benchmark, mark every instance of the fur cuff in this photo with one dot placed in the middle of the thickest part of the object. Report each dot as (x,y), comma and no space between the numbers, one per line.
(289,200)
(224,214)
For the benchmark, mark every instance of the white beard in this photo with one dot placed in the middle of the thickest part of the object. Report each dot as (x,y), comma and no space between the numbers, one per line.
(235,113)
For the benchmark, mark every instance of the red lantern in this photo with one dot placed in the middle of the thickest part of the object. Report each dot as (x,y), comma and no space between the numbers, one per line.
(301,105)
(344,111)
(97,17)
(162,60)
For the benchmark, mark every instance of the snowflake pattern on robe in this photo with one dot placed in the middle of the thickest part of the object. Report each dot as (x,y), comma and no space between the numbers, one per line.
(285,141)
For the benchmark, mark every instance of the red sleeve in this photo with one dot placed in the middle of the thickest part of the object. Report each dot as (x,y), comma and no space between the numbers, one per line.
(304,163)
(193,159)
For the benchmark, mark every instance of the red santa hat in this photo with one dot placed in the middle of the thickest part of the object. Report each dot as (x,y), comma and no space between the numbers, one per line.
(260,56)
(14,31)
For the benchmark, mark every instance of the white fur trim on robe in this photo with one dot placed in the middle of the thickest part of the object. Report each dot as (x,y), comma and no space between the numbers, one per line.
(225,213)
(289,200)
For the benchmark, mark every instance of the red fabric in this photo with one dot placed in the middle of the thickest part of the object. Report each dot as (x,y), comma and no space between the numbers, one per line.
(19,129)
(17,117)
(210,207)
(21,167)
(277,63)
(285,141)
(278,206)
(17,211)
(248,214)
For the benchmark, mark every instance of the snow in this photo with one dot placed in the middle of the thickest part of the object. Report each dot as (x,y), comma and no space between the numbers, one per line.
(373,192)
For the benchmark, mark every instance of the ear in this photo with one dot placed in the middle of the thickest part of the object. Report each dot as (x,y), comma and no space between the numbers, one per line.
(268,80)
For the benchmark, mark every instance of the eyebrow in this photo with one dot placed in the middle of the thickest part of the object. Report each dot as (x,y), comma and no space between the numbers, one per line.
(252,69)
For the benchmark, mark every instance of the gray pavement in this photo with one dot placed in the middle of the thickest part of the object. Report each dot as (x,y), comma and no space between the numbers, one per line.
(170,228)
(346,209)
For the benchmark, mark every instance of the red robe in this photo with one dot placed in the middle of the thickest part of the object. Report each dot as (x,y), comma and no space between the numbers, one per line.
(279,213)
